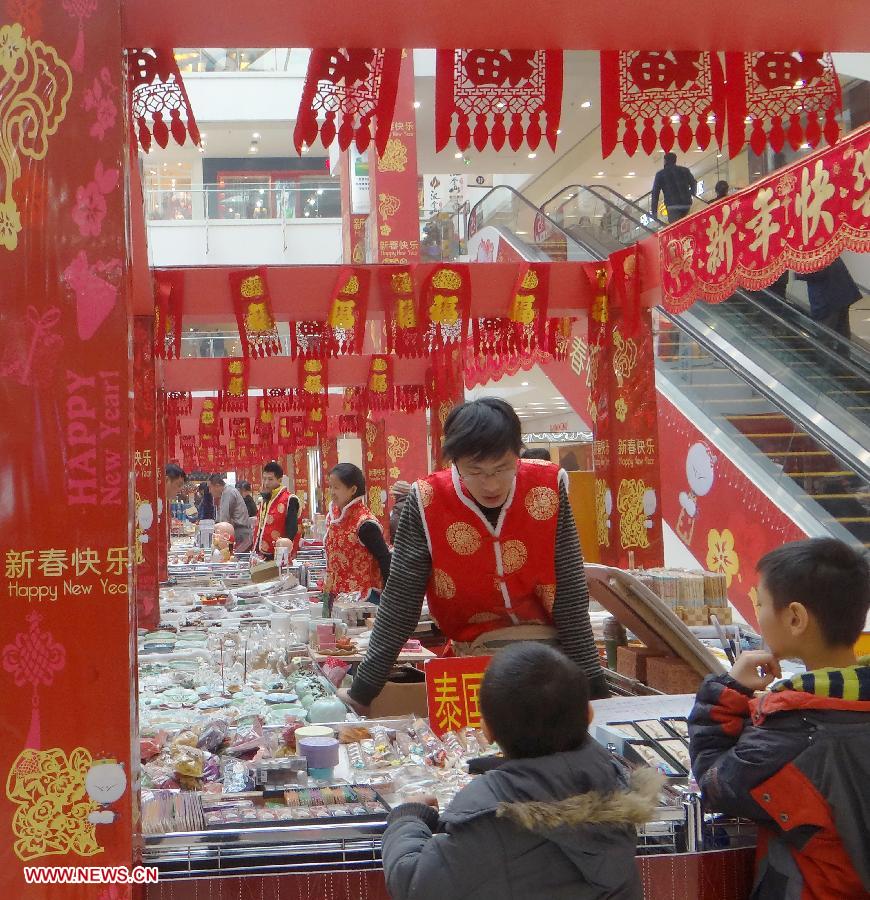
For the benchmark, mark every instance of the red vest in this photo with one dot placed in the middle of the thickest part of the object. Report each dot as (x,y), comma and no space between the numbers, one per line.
(273,523)
(349,566)
(485,578)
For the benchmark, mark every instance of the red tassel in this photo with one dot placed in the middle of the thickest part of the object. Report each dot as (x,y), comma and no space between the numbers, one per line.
(534,134)
(498,134)
(481,133)
(685,136)
(327,130)
(179,132)
(703,134)
(832,126)
(144,135)
(345,132)
(757,139)
(160,131)
(776,138)
(463,133)
(795,131)
(666,137)
(629,139)
(363,137)
(813,131)
(515,135)
(648,137)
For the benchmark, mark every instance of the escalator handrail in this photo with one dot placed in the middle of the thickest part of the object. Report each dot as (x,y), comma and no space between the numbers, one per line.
(597,191)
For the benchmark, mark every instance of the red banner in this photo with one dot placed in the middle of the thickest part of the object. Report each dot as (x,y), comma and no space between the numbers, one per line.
(348,88)
(168,312)
(253,306)
(446,390)
(375,468)
(497,95)
(146,535)
(774,92)
(678,96)
(157,93)
(347,313)
(234,393)
(727,522)
(164,511)
(801,218)
(446,307)
(404,334)
(308,340)
(380,389)
(66,655)
(301,486)
(407,453)
(313,387)
(453,692)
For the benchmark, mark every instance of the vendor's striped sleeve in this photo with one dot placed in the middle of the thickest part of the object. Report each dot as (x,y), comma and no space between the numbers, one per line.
(402,601)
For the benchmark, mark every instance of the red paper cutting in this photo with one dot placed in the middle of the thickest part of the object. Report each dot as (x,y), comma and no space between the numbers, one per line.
(774,92)
(157,93)
(308,340)
(345,89)
(677,96)
(497,96)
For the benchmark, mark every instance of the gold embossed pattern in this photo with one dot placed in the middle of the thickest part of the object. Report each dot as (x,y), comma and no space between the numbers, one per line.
(542,503)
(463,539)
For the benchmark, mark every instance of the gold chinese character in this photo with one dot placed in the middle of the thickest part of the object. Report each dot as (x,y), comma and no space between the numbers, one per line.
(86,560)
(443,310)
(378,384)
(342,315)
(406,315)
(579,356)
(809,203)
(116,559)
(861,173)
(252,287)
(471,692)
(53,563)
(313,384)
(523,309)
(447,701)
(763,224)
(720,233)
(19,563)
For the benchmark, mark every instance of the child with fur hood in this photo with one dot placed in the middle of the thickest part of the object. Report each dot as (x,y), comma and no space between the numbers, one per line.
(557,820)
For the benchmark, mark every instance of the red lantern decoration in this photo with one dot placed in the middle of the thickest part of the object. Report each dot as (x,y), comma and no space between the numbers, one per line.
(678,96)
(488,86)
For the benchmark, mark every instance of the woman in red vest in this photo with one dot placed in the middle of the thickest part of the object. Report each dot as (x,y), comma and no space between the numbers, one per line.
(491,542)
(357,556)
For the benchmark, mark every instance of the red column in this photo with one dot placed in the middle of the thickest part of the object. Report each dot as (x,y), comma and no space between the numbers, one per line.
(395,204)
(164,510)
(146,536)
(65,630)
(375,467)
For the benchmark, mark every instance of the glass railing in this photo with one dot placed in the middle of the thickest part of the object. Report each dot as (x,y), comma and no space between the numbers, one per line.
(245,59)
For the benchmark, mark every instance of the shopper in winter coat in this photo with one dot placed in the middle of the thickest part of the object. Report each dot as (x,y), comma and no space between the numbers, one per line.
(678,185)
(796,759)
(831,291)
(557,820)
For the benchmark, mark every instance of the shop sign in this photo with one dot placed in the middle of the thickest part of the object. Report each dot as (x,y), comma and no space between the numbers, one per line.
(453,692)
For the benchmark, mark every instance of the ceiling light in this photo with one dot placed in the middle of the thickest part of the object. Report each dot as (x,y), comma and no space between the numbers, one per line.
(699,149)
(748,120)
(631,174)
(521,232)
(524,384)
(599,174)
(628,196)
(718,156)
(457,155)
(558,131)
(320,192)
(416,104)
(181,164)
(586,104)
(501,104)
(256,135)
(533,156)
(253,148)
(675,119)
(800,83)
(805,146)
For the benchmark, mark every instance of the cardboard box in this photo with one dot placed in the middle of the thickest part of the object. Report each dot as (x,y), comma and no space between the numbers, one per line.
(694,615)
(631,661)
(671,675)
(403,695)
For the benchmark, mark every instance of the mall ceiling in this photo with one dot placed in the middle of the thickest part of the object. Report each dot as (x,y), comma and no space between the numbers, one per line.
(570,24)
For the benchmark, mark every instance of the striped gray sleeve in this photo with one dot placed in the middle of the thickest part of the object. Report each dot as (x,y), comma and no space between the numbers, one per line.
(401,603)
(571,608)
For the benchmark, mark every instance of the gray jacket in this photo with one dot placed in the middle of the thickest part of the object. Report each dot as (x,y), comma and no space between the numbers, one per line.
(560,826)
(234,511)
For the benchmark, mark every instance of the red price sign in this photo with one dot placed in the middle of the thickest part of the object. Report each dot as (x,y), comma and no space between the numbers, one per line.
(452,692)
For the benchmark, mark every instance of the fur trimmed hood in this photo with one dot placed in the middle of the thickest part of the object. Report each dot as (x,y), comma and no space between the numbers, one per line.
(619,807)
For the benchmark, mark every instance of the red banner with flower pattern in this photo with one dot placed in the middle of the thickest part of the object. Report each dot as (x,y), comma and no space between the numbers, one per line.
(781,96)
(677,97)
(168,312)
(497,95)
(253,306)
(375,468)
(801,218)
(159,106)
(313,383)
(446,389)
(380,390)
(347,314)
(445,307)
(348,88)
(404,332)
(209,419)
(234,393)
(301,482)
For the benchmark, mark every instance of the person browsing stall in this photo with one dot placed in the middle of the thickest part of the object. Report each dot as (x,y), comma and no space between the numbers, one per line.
(279,514)
(491,541)
(556,820)
(357,556)
(794,754)
(231,508)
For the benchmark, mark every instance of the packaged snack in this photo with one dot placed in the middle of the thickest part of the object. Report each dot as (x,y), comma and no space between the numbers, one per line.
(213,735)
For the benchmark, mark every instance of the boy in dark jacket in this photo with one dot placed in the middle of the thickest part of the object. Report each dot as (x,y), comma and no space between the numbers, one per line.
(796,758)
(557,820)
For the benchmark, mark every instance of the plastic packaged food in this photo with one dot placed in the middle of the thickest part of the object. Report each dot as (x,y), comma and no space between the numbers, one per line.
(213,734)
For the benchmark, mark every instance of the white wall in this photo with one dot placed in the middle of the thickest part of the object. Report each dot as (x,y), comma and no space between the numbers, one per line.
(311,242)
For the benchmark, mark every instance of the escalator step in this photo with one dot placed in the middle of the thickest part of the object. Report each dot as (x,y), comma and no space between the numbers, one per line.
(837,474)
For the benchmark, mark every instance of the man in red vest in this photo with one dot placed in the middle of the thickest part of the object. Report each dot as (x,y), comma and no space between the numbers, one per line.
(279,513)
(491,542)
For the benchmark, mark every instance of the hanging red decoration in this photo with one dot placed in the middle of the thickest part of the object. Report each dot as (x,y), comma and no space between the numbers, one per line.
(380,392)
(491,335)
(209,419)
(308,340)
(240,429)
(157,92)
(353,399)
(348,88)
(678,96)
(347,314)
(481,88)
(168,311)
(404,334)
(234,394)
(253,306)
(410,397)
(290,430)
(315,425)
(774,91)
(801,218)
(446,301)
(625,279)
(278,399)
(313,383)
(179,403)
(350,423)
(528,312)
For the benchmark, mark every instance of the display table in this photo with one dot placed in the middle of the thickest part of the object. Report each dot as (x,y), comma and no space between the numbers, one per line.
(410,656)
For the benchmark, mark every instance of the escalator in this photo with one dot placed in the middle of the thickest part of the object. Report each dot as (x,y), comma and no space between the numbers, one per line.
(789,398)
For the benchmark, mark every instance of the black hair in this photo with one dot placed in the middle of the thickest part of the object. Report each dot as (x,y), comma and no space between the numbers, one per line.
(535,701)
(830,578)
(537,453)
(244,485)
(202,487)
(350,476)
(721,188)
(275,469)
(215,479)
(174,471)
(482,429)
(670,159)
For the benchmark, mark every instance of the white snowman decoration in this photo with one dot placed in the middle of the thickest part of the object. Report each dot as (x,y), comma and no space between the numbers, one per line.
(144,521)
(105,783)
(650,504)
(700,473)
